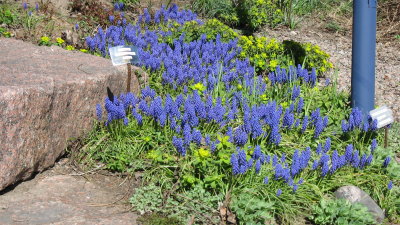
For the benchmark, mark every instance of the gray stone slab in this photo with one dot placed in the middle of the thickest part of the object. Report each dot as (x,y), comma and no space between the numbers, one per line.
(47,96)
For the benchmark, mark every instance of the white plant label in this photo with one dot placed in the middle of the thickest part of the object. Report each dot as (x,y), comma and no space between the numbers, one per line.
(122,54)
(383,115)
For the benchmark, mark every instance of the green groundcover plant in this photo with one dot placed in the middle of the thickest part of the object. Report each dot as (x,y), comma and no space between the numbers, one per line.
(340,212)
(209,129)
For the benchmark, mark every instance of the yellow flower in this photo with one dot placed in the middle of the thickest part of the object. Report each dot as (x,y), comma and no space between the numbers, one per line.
(199,86)
(147,139)
(315,89)
(239,87)
(273,64)
(7,34)
(45,39)
(260,63)
(202,153)
(284,104)
(264,97)
(60,40)
(83,50)
(70,47)
(152,154)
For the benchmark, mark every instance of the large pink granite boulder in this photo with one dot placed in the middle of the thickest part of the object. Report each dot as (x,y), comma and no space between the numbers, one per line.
(47,96)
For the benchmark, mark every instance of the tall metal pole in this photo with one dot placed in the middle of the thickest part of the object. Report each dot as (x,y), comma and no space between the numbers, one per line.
(363,55)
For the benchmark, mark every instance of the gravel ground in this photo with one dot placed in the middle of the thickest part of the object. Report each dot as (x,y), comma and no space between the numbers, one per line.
(387,82)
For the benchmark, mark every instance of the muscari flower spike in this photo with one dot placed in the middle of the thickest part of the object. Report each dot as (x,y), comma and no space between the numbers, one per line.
(386,161)
(390,185)
(278,192)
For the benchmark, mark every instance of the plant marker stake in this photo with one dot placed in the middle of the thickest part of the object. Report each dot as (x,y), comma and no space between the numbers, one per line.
(386,136)
(121,55)
(384,116)
(128,82)
(363,55)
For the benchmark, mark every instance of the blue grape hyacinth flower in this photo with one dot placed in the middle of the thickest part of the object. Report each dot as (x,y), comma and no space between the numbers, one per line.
(386,161)
(99,112)
(390,185)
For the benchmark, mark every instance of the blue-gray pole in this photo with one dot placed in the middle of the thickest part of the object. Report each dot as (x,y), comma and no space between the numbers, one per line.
(363,56)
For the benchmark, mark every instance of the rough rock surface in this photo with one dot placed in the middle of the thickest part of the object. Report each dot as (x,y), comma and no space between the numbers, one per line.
(356,195)
(47,96)
(62,196)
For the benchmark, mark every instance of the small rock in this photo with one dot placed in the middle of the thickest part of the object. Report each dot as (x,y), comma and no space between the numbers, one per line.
(293,32)
(355,195)
(70,37)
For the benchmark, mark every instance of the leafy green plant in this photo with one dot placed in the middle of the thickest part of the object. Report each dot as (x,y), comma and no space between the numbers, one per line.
(179,206)
(147,199)
(193,31)
(46,41)
(30,21)
(340,211)
(252,209)
(265,54)
(4,32)
(7,16)
(333,26)
(256,13)
(316,58)
(224,10)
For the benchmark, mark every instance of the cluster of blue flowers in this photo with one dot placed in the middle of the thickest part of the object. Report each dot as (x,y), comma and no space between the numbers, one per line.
(355,121)
(164,15)
(139,34)
(215,65)
(210,63)
(119,6)
(281,75)
(288,171)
